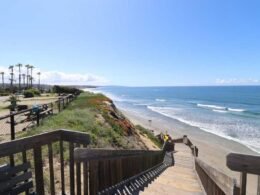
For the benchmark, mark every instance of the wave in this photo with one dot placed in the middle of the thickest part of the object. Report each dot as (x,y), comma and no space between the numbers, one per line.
(221,108)
(160,100)
(211,106)
(236,110)
(220,111)
(200,126)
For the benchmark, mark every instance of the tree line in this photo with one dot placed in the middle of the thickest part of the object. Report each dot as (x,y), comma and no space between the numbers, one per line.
(25,78)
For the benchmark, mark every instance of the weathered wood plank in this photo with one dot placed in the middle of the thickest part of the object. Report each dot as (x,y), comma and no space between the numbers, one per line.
(6,185)
(71,166)
(10,171)
(27,143)
(243,182)
(258,185)
(76,137)
(93,177)
(224,182)
(37,151)
(244,163)
(78,174)
(51,169)
(84,155)
(62,168)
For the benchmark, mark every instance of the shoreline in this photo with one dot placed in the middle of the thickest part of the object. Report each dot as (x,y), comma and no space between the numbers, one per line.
(212,148)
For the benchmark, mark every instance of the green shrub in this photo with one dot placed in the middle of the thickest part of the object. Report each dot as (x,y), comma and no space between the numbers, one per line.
(62,89)
(31,93)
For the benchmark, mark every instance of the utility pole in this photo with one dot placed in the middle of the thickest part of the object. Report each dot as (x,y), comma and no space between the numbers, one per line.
(39,83)
(19,66)
(3,80)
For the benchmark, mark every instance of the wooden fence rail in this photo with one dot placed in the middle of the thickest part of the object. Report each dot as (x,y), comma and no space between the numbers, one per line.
(44,150)
(246,164)
(27,118)
(108,168)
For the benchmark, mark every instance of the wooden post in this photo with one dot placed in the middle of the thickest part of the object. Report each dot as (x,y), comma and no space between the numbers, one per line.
(78,174)
(71,167)
(258,185)
(243,180)
(63,103)
(37,152)
(62,168)
(52,180)
(59,105)
(12,126)
(38,118)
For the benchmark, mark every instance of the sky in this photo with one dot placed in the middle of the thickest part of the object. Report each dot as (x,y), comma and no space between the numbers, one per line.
(134,42)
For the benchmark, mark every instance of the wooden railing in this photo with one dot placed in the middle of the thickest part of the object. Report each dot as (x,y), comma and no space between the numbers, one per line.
(115,171)
(51,155)
(19,121)
(213,181)
(246,164)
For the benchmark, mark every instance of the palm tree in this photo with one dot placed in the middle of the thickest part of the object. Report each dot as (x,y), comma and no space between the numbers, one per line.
(28,76)
(19,65)
(31,67)
(39,84)
(23,75)
(3,81)
(11,68)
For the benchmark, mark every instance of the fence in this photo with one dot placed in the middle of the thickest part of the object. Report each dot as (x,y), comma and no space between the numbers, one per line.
(52,157)
(56,158)
(112,171)
(22,120)
(246,164)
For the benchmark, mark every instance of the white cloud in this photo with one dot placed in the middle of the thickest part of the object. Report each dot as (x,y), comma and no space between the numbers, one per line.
(57,77)
(235,81)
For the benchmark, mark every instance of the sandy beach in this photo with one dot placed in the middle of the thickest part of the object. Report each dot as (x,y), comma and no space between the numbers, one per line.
(212,148)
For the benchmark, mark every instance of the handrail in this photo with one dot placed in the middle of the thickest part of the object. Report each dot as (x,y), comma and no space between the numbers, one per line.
(227,184)
(246,164)
(85,155)
(49,142)
(110,170)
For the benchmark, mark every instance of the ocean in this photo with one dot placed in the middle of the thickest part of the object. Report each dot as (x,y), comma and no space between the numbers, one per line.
(229,112)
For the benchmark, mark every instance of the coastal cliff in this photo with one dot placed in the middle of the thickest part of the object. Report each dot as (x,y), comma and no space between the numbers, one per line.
(98,116)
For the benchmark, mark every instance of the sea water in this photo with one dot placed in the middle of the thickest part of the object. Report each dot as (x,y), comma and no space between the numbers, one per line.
(230,112)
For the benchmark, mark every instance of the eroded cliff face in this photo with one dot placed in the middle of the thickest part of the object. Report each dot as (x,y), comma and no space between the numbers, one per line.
(109,115)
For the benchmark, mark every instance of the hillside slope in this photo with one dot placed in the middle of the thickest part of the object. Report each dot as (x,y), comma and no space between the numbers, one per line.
(97,115)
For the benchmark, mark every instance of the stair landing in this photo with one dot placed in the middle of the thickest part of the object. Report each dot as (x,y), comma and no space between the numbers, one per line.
(180,179)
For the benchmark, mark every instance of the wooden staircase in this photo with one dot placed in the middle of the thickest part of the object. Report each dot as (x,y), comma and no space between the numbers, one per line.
(180,179)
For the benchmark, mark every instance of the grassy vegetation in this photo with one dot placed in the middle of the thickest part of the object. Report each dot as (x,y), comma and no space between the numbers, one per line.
(88,113)
(149,134)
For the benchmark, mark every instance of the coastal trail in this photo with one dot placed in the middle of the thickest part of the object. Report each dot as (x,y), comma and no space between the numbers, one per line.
(180,179)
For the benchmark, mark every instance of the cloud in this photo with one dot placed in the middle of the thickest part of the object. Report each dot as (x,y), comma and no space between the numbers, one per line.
(235,81)
(58,77)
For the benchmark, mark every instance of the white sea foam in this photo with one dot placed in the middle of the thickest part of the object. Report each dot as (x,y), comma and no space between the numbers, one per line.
(236,110)
(211,106)
(160,100)
(220,111)
(212,130)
